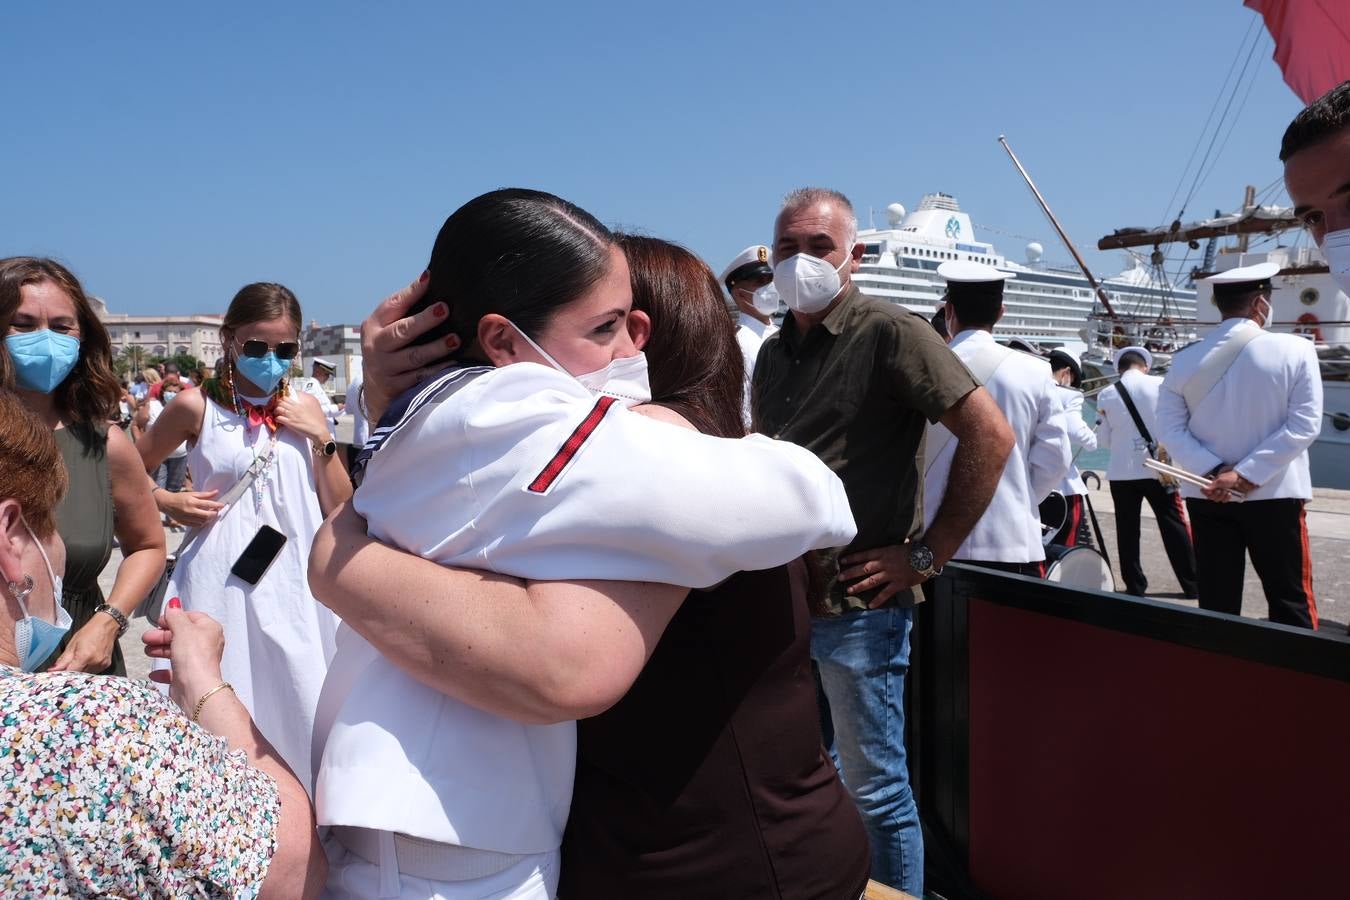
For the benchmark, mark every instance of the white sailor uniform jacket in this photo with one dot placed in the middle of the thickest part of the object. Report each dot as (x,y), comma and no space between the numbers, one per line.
(751,333)
(312,387)
(1116,429)
(1080,435)
(1260,418)
(1010,529)
(521,470)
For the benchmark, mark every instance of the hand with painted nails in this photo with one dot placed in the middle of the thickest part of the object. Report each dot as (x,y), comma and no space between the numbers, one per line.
(392,363)
(194,643)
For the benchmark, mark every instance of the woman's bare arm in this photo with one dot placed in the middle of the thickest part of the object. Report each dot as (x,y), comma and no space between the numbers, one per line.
(539,652)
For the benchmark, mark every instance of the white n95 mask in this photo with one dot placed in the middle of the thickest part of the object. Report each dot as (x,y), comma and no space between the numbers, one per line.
(625,379)
(1336,249)
(808,283)
(765,300)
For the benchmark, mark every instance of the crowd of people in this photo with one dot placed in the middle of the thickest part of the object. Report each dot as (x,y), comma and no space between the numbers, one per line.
(616,598)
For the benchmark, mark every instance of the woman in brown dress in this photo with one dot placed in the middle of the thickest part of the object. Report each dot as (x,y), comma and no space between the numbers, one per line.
(58,360)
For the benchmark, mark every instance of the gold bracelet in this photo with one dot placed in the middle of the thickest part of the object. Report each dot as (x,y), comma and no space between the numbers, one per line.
(197,710)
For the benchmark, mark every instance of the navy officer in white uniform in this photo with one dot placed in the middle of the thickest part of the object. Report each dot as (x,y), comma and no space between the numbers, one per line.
(1008,535)
(321,373)
(1242,407)
(1132,482)
(749,280)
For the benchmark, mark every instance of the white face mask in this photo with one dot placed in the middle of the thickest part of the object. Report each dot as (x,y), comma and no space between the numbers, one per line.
(808,283)
(1336,248)
(1267,315)
(765,300)
(625,379)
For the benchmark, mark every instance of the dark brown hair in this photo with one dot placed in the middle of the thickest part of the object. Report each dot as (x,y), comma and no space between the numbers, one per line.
(694,362)
(516,252)
(31,469)
(90,392)
(1319,120)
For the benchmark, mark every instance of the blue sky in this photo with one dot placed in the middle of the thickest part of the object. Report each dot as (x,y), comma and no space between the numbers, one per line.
(171,153)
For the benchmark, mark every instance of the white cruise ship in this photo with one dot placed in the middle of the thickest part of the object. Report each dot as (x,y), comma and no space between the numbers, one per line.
(1045,305)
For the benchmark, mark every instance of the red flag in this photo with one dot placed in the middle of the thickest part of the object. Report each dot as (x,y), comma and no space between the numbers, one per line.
(1312,42)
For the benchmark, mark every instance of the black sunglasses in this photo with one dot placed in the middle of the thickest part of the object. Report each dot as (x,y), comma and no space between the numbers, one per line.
(258,349)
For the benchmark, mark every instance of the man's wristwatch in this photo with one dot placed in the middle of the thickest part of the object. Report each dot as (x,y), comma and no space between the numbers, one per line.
(327,448)
(921,560)
(116,614)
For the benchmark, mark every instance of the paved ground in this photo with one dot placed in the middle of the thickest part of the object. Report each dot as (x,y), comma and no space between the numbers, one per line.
(1328,528)
(1328,535)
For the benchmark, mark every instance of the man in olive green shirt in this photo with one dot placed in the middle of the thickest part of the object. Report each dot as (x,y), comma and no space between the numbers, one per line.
(856,379)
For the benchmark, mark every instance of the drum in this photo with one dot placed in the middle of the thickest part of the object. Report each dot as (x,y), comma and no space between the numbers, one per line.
(1078,567)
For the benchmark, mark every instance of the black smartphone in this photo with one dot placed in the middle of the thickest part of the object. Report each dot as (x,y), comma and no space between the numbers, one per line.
(258,555)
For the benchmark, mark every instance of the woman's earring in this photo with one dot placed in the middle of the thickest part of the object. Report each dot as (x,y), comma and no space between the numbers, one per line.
(21,593)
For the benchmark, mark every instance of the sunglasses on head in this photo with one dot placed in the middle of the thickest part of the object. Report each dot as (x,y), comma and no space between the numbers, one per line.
(258,349)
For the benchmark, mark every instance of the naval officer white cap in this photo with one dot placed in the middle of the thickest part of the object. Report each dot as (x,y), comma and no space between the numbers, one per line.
(749,263)
(1243,280)
(1148,357)
(965,271)
(325,364)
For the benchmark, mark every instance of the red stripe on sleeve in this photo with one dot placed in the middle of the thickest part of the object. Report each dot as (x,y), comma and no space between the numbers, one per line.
(544,480)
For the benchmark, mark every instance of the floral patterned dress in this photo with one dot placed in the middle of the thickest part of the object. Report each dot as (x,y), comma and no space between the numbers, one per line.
(106,789)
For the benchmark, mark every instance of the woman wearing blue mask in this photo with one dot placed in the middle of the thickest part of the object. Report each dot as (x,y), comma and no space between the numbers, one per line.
(58,359)
(278,639)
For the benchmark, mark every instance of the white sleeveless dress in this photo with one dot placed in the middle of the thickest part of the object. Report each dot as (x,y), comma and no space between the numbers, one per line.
(278,639)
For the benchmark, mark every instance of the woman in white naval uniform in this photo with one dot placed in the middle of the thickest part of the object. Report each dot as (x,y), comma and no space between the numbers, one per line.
(1064,369)
(1273,380)
(278,640)
(1008,535)
(433,797)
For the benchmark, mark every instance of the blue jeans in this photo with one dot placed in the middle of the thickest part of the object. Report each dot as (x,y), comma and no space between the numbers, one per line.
(861,659)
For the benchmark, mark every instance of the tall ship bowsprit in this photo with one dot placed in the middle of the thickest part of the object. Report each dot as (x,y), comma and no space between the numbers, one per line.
(1047,304)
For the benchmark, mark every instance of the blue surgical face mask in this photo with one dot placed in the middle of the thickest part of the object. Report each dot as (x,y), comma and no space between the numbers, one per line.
(36,639)
(264,371)
(42,359)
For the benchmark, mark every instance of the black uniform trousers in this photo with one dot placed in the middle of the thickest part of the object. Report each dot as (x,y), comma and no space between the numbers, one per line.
(1275,534)
(1176,536)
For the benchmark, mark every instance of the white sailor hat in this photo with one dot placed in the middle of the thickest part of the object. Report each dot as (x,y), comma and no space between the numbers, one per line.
(752,261)
(1245,279)
(972,282)
(1148,357)
(965,271)
(325,364)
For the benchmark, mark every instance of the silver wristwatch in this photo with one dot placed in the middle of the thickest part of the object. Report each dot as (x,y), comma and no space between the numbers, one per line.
(117,616)
(921,560)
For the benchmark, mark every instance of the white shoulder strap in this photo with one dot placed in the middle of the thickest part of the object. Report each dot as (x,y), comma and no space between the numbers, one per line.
(982,365)
(1215,365)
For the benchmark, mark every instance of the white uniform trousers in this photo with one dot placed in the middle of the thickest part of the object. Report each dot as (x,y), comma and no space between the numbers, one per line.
(352,876)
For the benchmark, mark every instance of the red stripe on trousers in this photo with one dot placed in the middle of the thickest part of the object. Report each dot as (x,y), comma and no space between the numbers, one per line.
(1306,563)
(1181,511)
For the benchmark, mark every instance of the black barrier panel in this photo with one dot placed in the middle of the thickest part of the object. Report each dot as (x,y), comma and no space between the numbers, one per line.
(1077,744)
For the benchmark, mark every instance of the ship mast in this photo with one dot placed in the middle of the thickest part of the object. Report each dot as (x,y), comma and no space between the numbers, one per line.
(1092,280)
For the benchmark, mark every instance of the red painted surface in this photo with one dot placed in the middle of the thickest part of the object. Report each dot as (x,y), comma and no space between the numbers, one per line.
(1105,765)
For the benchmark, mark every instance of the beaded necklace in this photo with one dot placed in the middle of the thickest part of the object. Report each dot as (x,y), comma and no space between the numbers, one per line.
(239,407)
